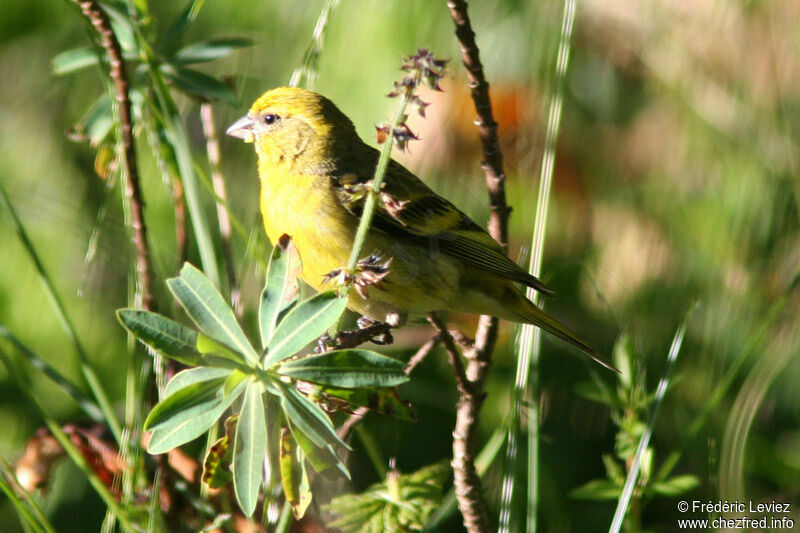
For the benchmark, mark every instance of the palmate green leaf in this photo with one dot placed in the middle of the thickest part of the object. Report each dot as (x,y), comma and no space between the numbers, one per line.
(303,324)
(188,413)
(281,288)
(199,84)
(309,418)
(206,307)
(219,355)
(349,369)
(164,335)
(404,502)
(187,402)
(250,447)
(210,50)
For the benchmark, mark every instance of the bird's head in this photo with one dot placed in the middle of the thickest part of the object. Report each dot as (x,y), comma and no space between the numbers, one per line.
(294,124)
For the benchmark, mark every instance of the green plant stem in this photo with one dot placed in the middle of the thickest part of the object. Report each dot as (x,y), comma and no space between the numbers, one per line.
(220,192)
(285,520)
(370,202)
(167,113)
(88,406)
(61,313)
(529,341)
(633,472)
(308,72)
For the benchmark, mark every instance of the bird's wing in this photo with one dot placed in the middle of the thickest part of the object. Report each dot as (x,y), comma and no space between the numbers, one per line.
(410,209)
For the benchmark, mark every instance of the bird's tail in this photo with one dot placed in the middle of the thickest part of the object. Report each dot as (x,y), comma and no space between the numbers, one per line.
(531,314)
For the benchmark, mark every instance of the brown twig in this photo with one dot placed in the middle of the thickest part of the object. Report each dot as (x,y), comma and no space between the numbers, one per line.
(345,429)
(487,127)
(453,355)
(212,149)
(466,480)
(421,354)
(144,271)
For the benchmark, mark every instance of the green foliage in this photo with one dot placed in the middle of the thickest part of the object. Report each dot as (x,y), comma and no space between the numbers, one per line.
(402,503)
(227,368)
(629,404)
(675,180)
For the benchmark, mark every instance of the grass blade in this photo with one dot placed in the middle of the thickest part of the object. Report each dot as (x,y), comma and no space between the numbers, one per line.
(28,510)
(633,473)
(88,406)
(529,339)
(61,313)
(72,450)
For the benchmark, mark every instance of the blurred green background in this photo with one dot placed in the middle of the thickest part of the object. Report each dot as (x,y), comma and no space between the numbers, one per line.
(676,182)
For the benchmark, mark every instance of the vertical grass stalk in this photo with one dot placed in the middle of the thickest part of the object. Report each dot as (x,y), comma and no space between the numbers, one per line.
(305,75)
(529,341)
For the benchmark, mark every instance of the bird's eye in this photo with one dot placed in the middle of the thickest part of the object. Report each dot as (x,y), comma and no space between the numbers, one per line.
(270,119)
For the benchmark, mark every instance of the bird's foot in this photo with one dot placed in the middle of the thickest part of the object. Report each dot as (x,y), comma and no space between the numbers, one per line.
(368,330)
(323,343)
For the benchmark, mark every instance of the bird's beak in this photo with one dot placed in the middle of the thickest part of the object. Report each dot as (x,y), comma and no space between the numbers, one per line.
(242,129)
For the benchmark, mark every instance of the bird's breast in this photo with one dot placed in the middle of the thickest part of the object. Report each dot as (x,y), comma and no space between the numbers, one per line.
(305,207)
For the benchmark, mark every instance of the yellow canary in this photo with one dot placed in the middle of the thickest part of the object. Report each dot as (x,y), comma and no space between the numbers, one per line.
(310,162)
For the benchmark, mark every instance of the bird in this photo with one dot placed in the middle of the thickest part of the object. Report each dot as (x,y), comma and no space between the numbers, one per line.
(312,166)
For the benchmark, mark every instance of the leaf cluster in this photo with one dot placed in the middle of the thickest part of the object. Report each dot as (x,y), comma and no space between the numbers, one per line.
(629,404)
(268,387)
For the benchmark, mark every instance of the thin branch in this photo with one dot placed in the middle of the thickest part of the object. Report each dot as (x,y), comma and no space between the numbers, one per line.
(218,182)
(348,425)
(487,127)
(421,354)
(453,355)
(466,480)
(133,193)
